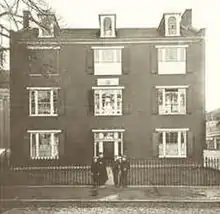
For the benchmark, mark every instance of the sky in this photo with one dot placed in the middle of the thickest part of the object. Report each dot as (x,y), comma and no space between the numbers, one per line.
(145,13)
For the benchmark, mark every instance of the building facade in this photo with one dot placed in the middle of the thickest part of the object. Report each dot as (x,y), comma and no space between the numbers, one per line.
(78,92)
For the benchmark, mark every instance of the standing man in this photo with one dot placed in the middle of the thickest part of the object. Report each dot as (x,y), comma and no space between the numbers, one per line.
(125,166)
(116,170)
(95,176)
(103,177)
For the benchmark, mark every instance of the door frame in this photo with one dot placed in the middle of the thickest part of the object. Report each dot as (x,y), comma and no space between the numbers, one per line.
(101,140)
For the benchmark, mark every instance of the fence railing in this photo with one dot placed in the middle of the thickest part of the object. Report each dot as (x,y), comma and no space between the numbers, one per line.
(212,159)
(142,172)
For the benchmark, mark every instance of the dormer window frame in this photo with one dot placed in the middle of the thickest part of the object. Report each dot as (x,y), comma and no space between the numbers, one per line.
(43,29)
(168,31)
(103,21)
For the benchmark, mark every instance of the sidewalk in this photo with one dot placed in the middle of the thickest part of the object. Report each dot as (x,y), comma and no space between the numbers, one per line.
(110,194)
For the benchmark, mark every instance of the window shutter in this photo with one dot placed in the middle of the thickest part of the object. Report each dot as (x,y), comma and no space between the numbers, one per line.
(154,60)
(190,59)
(61,103)
(189,100)
(91,102)
(190,144)
(90,61)
(127,110)
(155,146)
(125,60)
(154,100)
(61,145)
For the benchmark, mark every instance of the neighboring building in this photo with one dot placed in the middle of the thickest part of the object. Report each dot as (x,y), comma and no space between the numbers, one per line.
(77,92)
(4,110)
(213,130)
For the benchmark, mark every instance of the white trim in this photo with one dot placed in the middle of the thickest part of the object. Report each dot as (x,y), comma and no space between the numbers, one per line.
(171,46)
(172,86)
(42,88)
(44,131)
(43,47)
(171,129)
(108,130)
(107,47)
(107,87)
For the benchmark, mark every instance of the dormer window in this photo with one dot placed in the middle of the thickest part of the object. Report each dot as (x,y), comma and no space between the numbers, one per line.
(172,24)
(107,26)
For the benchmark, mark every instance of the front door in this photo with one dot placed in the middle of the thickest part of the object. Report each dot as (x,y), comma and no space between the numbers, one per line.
(109,143)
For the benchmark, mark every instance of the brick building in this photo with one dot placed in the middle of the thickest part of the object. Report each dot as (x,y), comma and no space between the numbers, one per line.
(77,92)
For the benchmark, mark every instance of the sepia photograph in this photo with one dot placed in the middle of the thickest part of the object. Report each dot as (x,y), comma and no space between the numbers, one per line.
(109,107)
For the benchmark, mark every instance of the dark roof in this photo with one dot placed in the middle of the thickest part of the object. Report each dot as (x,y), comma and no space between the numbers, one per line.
(213,115)
(120,33)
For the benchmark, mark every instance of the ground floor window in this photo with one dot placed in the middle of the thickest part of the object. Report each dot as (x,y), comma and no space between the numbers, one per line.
(108,142)
(44,144)
(172,142)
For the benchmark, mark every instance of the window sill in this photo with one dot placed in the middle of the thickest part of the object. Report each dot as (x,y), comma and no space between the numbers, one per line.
(168,114)
(173,156)
(107,115)
(41,75)
(43,115)
(45,158)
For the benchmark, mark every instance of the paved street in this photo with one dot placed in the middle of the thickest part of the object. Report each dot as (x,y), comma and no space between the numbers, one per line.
(124,209)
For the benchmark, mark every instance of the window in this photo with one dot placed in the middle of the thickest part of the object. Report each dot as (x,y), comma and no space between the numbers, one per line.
(47,26)
(43,102)
(172,26)
(172,143)
(107,26)
(108,101)
(107,60)
(107,55)
(172,54)
(172,100)
(44,144)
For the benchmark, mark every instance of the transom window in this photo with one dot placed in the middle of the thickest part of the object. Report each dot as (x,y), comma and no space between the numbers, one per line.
(172,100)
(172,143)
(44,144)
(43,102)
(172,26)
(108,101)
(107,55)
(172,54)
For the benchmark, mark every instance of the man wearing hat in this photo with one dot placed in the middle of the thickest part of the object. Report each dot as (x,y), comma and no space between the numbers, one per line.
(125,166)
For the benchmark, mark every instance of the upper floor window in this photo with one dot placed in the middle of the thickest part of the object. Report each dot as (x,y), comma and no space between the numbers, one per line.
(172,100)
(44,144)
(107,60)
(172,28)
(46,25)
(172,24)
(43,102)
(172,59)
(108,101)
(172,142)
(107,25)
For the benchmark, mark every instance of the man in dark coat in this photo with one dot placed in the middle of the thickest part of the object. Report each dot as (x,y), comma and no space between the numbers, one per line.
(125,166)
(103,177)
(116,170)
(95,172)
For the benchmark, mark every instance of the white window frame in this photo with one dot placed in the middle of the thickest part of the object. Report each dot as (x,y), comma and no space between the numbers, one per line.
(36,90)
(178,19)
(105,67)
(181,53)
(181,109)
(100,90)
(179,131)
(102,18)
(36,133)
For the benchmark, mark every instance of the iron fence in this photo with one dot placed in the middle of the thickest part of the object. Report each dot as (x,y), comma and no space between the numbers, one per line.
(141,172)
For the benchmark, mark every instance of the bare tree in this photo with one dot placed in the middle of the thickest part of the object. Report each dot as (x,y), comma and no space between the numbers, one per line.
(11,18)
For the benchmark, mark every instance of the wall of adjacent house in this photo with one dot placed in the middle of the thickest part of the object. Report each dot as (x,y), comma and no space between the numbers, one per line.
(76,118)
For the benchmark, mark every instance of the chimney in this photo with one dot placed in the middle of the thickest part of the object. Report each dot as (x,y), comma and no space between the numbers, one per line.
(187,18)
(26,15)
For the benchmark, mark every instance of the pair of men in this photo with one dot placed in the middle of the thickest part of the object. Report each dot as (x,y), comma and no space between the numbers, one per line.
(98,170)
(120,171)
